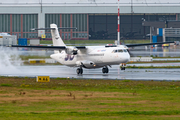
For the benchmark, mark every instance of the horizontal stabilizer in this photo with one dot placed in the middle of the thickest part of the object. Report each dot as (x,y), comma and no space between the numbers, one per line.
(66,28)
(52,28)
(43,29)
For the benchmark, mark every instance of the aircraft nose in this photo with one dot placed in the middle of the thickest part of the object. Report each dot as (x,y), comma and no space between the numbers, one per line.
(126,57)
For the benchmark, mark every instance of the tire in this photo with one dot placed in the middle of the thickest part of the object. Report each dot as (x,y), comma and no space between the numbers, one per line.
(123,68)
(103,70)
(78,71)
(107,70)
(81,71)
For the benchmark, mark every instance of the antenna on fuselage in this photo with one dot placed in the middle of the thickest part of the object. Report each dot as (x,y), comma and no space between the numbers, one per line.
(118,40)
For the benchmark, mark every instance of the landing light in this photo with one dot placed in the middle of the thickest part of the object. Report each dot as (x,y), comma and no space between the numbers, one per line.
(94,65)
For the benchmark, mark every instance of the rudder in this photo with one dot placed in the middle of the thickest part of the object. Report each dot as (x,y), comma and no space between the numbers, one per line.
(57,40)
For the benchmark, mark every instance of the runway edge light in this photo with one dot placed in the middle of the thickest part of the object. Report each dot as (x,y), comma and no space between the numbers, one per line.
(42,79)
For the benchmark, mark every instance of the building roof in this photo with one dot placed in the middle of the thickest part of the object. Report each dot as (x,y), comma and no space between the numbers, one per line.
(89,6)
(89,2)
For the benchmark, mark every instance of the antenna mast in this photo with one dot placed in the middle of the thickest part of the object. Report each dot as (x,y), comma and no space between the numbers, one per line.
(118,41)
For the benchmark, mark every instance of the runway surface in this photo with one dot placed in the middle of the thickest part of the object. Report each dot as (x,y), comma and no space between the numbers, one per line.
(114,73)
(8,69)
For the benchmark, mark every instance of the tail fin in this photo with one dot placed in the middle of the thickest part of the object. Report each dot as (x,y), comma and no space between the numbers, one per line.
(57,40)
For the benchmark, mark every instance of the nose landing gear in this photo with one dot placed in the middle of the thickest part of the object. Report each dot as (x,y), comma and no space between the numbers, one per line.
(123,66)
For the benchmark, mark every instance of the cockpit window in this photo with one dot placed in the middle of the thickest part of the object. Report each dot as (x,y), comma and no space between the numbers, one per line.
(114,51)
(125,50)
(120,51)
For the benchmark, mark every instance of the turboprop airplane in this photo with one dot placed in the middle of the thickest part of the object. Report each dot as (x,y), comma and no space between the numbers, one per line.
(89,57)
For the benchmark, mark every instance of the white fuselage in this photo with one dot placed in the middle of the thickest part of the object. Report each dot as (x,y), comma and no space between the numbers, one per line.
(93,57)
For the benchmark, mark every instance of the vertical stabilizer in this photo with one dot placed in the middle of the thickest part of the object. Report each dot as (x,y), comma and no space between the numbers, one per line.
(57,41)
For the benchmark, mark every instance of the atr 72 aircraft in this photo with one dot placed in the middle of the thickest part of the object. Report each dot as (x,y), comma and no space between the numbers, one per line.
(89,57)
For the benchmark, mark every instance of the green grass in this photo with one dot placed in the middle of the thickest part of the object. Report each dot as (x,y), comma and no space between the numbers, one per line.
(154,67)
(89,99)
(6,85)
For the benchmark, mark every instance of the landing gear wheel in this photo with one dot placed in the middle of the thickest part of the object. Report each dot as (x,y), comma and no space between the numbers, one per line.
(79,71)
(123,68)
(105,70)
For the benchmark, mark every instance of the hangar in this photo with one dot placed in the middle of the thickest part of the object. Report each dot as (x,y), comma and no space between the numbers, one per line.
(95,19)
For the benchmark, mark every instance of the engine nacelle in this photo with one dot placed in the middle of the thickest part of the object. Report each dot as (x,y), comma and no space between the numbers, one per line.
(72,50)
(86,64)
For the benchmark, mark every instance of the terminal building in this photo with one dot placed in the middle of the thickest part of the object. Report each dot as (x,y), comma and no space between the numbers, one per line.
(94,19)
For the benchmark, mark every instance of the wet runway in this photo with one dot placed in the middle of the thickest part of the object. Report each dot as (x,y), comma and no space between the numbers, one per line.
(114,73)
(8,69)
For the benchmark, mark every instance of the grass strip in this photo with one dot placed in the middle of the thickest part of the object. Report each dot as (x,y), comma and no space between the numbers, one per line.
(154,67)
(62,98)
(97,113)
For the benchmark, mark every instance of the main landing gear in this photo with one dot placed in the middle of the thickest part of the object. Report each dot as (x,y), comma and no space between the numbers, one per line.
(79,71)
(105,69)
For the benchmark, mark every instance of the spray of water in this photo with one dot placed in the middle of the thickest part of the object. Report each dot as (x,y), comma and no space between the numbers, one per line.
(11,65)
(9,60)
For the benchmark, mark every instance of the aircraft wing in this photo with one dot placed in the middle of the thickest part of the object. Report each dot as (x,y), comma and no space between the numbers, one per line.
(41,47)
(146,44)
(49,47)
(80,47)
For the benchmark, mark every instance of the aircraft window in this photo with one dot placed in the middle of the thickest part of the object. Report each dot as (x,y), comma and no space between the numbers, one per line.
(120,50)
(114,51)
(125,50)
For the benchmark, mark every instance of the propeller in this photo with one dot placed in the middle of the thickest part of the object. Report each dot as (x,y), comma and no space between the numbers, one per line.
(72,50)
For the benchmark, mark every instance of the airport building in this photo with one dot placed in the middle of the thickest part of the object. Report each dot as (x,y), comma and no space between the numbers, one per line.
(94,19)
